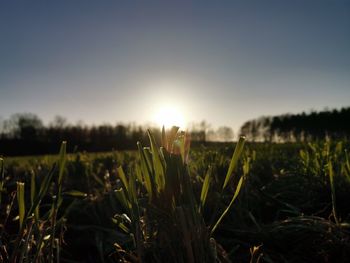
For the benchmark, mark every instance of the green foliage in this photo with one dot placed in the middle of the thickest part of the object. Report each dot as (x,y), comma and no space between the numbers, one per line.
(316,157)
(328,163)
(234,160)
(21,204)
(205,189)
(238,189)
(173,214)
(36,239)
(164,203)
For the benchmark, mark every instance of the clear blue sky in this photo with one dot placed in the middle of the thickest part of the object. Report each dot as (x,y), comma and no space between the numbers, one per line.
(222,61)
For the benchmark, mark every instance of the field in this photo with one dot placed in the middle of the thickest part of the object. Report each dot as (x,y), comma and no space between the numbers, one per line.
(244,202)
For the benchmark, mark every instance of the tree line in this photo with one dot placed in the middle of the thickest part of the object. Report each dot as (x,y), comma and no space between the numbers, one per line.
(299,127)
(25,134)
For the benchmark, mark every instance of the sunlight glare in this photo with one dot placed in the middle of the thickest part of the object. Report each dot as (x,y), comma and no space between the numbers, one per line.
(169,116)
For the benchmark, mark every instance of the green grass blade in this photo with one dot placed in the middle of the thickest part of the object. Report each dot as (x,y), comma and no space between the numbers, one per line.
(246,166)
(171,138)
(157,164)
(205,189)
(62,161)
(145,171)
(347,161)
(148,158)
(61,168)
(39,245)
(138,173)
(331,180)
(238,189)
(21,202)
(32,187)
(42,191)
(24,252)
(181,145)
(122,177)
(33,194)
(121,225)
(74,193)
(46,183)
(234,160)
(132,189)
(122,198)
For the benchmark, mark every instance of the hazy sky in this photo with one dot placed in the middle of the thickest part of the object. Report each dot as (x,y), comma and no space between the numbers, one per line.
(222,61)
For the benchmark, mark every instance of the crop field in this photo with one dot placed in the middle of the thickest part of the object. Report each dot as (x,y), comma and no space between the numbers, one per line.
(175,131)
(172,202)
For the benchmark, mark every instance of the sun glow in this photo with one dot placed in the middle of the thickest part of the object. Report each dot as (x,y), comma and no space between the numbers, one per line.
(169,116)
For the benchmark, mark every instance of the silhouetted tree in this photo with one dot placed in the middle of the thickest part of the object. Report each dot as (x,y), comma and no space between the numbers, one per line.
(300,127)
(25,126)
(59,122)
(225,133)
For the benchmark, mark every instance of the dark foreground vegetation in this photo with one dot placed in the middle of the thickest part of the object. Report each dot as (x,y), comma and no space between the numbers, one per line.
(268,203)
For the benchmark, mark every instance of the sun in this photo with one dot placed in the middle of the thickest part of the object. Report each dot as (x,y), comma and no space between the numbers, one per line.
(169,116)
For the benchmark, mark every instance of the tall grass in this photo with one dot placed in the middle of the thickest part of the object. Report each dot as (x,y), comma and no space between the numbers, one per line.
(163,214)
(172,206)
(37,237)
(328,163)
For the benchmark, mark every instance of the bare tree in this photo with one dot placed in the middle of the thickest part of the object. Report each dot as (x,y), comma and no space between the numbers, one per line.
(59,122)
(23,126)
(225,133)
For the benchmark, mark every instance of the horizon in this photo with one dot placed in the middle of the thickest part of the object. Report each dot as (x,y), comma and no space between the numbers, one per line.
(213,132)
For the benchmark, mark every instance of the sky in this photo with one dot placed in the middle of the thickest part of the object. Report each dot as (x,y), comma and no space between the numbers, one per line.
(220,61)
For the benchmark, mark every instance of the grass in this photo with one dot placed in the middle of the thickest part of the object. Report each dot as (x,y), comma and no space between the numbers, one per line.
(36,216)
(248,203)
(172,222)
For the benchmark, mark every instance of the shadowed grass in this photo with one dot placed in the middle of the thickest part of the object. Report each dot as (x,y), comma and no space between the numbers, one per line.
(171,221)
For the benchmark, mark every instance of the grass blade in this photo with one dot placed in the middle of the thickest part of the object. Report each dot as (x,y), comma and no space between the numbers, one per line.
(33,194)
(157,164)
(239,185)
(132,189)
(331,180)
(145,171)
(122,198)
(171,138)
(62,162)
(61,168)
(74,193)
(234,160)
(21,202)
(205,189)
(122,177)
(42,191)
